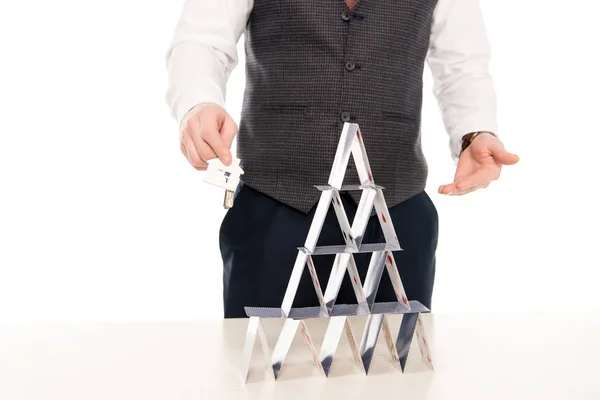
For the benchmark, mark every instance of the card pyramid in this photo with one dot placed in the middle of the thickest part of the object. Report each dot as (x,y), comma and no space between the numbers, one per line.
(382,259)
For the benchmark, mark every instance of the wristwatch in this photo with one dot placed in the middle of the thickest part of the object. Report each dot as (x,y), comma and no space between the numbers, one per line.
(469,137)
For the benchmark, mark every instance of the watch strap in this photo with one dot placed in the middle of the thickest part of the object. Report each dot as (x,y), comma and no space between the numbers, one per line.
(469,137)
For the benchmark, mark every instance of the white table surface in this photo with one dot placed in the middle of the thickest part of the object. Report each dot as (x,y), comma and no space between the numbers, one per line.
(484,357)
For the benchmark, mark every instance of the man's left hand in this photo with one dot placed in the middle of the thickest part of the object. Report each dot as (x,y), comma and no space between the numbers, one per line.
(479,164)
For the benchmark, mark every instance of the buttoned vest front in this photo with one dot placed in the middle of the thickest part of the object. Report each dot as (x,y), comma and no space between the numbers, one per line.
(311,65)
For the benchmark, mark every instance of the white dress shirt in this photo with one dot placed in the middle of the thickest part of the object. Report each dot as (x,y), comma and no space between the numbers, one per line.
(203,53)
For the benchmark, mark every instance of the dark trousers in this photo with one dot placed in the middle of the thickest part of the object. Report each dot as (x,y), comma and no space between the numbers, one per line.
(259,238)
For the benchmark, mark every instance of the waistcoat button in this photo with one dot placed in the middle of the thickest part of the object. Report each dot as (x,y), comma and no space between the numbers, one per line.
(346,16)
(345,117)
(350,66)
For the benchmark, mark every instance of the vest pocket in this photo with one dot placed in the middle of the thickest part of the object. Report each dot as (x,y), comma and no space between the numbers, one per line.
(395,116)
(284,108)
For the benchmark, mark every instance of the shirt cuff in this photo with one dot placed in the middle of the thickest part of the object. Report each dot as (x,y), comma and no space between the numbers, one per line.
(186,101)
(475,123)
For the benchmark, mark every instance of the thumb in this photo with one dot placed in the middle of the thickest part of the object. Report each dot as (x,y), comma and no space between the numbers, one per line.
(502,156)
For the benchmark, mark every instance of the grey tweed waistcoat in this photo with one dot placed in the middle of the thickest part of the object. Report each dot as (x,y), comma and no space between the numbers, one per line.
(311,65)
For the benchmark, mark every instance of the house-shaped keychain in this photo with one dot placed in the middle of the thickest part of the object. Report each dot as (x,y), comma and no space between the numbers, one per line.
(224,176)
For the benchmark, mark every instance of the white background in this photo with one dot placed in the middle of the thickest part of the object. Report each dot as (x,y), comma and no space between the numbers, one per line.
(102,219)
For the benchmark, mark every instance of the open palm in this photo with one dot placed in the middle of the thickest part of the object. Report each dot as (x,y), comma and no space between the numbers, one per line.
(479,165)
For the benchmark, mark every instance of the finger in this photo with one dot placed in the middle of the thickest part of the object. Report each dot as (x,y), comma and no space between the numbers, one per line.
(452,190)
(188,148)
(465,166)
(502,156)
(193,130)
(228,131)
(191,126)
(480,177)
(447,189)
(470,189)
(506,158)
(202,149)
(212,136)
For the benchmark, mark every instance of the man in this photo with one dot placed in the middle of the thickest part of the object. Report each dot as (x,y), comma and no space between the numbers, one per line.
(312,65)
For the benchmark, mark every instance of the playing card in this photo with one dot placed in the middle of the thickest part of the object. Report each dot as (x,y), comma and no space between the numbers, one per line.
(405,337)
(286,337)
(423,344)
(316,284)
(342,155)
(293,283)
(347,232)
(265,345)
(390,263)
(363,214)
(254,327)
(353,345)
(385,220)
(249,346)
(359,154)
(336,277)
(357,285)
(369,339)
(311,346)
(335,327)
(373,278)
(387,334)
(318,220)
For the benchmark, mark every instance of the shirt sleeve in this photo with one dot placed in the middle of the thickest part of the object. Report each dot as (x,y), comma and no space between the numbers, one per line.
(458,58)
(203,52)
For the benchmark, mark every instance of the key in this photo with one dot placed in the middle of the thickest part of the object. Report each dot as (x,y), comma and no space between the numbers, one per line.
(228,201)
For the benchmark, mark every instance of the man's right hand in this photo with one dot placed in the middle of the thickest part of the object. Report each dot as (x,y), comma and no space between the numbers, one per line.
(207,132)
